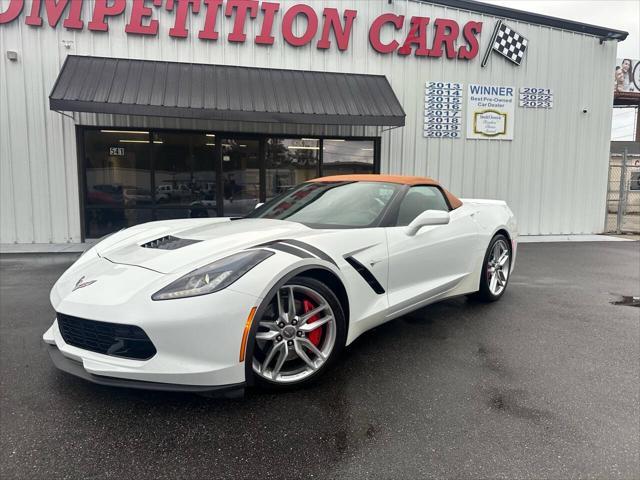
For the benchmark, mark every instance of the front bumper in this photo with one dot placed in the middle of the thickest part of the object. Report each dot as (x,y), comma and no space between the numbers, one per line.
(197,340)
(75,368)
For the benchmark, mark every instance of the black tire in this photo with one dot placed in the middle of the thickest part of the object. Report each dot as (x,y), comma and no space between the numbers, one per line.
(340,340)
(485,294)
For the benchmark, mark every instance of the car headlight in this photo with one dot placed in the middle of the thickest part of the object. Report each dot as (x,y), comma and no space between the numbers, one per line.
(213,277)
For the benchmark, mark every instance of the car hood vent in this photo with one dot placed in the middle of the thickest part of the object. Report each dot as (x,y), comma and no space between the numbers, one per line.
(169,242)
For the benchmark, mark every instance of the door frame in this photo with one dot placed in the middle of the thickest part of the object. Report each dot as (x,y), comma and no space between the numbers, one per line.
(219,164)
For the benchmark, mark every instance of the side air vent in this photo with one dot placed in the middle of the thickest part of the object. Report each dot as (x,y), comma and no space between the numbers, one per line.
(169,243)
(366,274)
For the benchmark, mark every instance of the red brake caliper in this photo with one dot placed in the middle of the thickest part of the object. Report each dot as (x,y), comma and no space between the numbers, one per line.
(315,335)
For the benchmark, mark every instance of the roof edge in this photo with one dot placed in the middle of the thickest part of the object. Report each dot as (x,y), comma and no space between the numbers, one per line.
(603,33)
(226,65)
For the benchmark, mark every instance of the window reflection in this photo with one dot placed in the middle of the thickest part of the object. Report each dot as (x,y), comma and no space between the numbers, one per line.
(136,176)
(240,175)
(103,221)
(185,171)
(290,162)
(321,204)
(118,172)
(340,157)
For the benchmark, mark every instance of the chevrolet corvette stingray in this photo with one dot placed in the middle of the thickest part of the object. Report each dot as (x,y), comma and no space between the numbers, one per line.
(216,304)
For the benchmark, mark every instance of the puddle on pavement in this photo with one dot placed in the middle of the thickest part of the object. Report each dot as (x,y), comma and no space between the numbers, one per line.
(626,300)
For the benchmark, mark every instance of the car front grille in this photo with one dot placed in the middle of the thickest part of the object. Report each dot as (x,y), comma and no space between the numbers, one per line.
(115,339)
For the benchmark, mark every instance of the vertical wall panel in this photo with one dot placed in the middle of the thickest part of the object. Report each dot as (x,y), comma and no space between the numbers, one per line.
(8,228)
(553,174)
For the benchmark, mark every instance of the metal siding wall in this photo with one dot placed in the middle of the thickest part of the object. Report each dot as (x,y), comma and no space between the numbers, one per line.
(553,174)
(7,202)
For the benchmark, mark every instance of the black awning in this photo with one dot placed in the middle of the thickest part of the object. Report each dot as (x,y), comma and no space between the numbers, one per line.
(222,92)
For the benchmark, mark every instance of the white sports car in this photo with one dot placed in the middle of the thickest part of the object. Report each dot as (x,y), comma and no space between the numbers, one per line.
(216,304)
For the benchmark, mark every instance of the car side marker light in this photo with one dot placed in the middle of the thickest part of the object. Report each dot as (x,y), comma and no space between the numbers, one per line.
(245,334)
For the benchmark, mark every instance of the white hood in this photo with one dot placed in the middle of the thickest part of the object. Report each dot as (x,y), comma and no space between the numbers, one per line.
(216,238)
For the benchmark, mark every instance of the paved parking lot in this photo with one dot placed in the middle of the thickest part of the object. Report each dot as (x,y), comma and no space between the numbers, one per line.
(543,384)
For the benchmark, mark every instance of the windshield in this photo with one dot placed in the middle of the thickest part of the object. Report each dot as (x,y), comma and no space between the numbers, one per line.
(331,204)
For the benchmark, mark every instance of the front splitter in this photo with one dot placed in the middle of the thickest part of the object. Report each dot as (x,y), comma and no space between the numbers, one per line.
(75,368)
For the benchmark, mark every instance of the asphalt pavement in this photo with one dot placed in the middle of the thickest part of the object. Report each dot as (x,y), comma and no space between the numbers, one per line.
(544,384)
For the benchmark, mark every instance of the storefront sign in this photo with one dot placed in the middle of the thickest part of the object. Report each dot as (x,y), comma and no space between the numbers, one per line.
(490,111)
(443,110)
(535,97)
(320,28)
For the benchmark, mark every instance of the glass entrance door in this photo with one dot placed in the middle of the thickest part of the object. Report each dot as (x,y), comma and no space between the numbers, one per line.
(240,175)
(185,175)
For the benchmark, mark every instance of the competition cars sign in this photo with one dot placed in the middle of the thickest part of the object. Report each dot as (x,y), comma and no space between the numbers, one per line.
(490,111)
(298,25)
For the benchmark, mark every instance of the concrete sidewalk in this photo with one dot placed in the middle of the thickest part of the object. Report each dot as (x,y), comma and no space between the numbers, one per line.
(21,248)
(576,238)
(46,247)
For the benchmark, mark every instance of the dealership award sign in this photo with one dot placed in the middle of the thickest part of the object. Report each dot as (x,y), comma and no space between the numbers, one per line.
(443,110)
(490,111)
(536,97)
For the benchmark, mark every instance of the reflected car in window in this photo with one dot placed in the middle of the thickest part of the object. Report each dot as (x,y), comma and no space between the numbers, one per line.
(106,195)
(136,196)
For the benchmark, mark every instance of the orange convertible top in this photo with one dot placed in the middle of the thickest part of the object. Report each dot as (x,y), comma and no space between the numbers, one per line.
(401,179)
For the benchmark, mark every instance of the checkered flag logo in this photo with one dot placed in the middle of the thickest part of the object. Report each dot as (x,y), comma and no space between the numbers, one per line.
(508,43)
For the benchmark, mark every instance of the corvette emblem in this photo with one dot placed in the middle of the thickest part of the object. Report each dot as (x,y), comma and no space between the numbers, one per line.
(81,284)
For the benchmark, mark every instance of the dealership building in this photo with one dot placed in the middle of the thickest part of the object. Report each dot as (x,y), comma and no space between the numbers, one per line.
(119,112)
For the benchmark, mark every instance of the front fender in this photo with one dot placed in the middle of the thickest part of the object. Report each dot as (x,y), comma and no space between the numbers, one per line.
(261,279)
(290,270)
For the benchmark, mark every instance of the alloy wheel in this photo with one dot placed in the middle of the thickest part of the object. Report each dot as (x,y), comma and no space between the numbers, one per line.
(498,267)
(295,336)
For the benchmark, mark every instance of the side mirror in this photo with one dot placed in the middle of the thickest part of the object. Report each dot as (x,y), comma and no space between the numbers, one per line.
(428,217)
(258,205)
